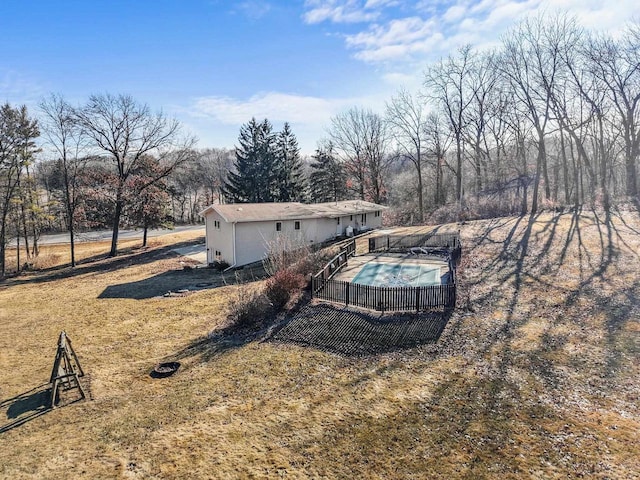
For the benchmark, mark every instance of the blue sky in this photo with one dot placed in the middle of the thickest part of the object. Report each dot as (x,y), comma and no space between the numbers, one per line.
(213,64)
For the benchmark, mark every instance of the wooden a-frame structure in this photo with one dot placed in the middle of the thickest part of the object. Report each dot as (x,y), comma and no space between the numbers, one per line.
(66,370)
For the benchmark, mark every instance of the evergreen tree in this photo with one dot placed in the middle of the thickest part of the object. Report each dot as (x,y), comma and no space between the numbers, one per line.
(328,179)
(254,178)
(290,182)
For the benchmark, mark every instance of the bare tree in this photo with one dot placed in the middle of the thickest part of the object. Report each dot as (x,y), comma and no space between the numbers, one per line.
(68,141)
(361,137)
(215,163)
(482,80)
(530,63)
(438,139)
(447,86)
(126,130)
(617,65)
(407,118)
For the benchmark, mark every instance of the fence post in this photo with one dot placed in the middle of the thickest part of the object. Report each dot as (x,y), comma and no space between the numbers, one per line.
(347,285)
(418,299)
(388,242)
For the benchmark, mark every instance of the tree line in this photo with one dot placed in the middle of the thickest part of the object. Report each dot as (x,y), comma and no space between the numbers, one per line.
(551,117)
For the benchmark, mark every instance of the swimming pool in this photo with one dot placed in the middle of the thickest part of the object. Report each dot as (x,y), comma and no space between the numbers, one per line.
(397,275)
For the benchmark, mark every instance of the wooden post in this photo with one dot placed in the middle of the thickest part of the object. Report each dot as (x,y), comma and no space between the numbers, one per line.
(66,369)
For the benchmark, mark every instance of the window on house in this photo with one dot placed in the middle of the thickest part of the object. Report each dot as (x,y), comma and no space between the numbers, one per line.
(218,253)
(364,218)
(278,226)
(377,213)
(296,225)
(351,218)
(338,220)
(216,224)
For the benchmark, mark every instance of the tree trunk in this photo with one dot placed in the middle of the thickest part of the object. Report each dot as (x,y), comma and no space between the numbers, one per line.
(545,171)
(420,194)
(116,226)
(72,243)
(18,249)
(565,169)
(3,238)
(630,164)
(459,169)
(24,227)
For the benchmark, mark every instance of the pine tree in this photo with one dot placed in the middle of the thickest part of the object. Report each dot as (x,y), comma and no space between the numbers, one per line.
(256,175)
(328,179)
(290,182)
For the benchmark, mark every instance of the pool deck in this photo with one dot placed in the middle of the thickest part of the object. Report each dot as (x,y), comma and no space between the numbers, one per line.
(355,264)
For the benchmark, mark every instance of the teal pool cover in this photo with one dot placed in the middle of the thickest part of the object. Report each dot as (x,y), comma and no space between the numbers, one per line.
(397,275)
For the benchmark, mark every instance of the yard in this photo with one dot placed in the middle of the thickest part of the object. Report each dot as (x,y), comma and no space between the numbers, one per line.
(536,374)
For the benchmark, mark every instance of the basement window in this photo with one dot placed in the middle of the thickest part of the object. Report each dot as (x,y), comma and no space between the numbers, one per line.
(278,226)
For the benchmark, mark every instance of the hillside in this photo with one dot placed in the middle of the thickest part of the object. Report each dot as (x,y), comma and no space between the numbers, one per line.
(535,375)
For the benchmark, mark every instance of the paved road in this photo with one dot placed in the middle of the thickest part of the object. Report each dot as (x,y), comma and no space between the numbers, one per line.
(98,236)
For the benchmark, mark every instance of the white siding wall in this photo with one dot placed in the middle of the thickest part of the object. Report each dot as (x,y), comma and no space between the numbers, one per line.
(356,221)
(252,238)
(218,239)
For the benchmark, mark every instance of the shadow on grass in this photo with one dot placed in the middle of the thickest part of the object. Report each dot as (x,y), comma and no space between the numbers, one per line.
(180,282)
(209,347)
(357,333)
(27,406)
(102,263)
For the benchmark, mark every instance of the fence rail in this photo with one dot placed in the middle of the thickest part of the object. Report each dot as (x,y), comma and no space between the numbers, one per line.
(403,243)
(389,299)
(332,267)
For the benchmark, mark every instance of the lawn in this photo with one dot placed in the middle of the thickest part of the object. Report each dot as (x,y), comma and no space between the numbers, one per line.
(535,375)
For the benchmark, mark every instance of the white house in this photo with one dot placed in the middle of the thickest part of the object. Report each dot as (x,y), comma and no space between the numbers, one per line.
(241,233)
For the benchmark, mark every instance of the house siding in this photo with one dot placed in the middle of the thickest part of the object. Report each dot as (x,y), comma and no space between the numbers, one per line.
(254,238)
(218,239)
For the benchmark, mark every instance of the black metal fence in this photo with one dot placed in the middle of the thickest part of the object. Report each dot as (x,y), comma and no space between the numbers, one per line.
(392,299)
(332,267)
(389,299)
(431,242)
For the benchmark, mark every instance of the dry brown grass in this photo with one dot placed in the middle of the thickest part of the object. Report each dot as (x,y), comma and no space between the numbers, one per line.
(535,376)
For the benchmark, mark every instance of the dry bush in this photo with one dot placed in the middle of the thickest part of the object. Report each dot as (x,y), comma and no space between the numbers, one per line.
(282,286)
(48,260)
(283,252)
(249,306)
(477,209)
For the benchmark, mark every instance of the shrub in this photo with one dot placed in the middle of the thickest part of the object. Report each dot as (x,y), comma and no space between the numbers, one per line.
(282,286)
(249,307)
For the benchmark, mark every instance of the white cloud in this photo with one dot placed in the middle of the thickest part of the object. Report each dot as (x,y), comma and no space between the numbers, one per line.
(17,89)
(272,105)
(438,27)
(346,11)
(217,120)
(338,11)
(454,13)
(253,9)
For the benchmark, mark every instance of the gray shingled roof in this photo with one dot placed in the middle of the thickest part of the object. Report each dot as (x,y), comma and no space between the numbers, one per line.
(252,212)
